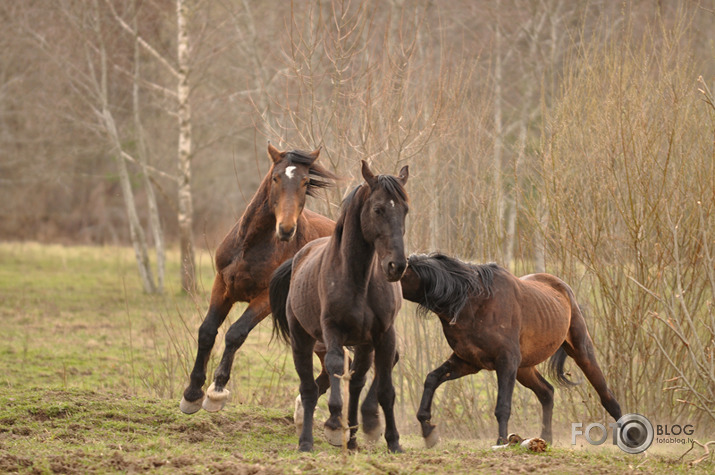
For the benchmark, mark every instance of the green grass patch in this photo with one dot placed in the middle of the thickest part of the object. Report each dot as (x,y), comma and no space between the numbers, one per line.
(94,370)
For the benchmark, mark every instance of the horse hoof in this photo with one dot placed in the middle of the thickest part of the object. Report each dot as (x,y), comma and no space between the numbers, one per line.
(215,400)
(335,436)
(396,449)
(373,428)
(432,439)
(188,407)
(374,434)
(298,415)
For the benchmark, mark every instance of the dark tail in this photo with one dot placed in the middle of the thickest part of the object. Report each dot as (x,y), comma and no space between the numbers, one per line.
(556,368)
(278,294)
(557,361)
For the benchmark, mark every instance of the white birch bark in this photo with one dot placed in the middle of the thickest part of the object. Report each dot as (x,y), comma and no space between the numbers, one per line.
(185,204)
(498,127)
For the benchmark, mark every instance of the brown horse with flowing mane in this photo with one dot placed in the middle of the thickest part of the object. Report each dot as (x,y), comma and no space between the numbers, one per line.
(272,229)
(495,321)
(344,290)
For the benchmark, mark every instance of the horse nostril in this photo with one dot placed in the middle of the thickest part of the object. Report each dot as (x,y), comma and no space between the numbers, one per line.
(284,233)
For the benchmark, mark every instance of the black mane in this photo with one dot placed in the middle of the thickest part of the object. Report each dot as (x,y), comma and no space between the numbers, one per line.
(448,283)
(320,177)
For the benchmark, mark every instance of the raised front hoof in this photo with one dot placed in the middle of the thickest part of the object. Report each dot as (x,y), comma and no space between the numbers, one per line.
(429,434)
(215,400)
(189,407)
(335,436)
(432,438)
(298,415)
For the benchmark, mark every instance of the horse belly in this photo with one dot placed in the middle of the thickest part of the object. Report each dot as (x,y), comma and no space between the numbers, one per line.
(303,297)
(544,328)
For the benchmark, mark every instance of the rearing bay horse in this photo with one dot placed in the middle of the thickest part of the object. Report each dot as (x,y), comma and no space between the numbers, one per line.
(495,321)
(272,229)
(344,290)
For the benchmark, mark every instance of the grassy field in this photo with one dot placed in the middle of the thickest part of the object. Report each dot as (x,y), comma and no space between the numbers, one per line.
(93,371)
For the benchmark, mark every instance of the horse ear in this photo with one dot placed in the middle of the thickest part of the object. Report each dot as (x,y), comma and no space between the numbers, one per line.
(314,154)
(275,154)
(367,174)
(404,174)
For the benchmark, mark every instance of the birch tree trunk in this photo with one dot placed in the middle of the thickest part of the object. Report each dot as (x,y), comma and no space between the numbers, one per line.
(185,204)
(498,127)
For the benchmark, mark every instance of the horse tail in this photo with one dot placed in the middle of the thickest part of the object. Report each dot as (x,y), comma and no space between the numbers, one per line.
(278,295)
(558,359)
(556,368)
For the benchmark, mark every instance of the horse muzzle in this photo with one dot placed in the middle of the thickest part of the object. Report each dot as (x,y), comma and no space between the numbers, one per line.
(394,269)
(284,233)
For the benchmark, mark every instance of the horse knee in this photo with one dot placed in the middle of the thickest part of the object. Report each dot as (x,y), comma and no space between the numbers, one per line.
(207,334)
(334,363)
(433,379)
(357,383)
(237,334)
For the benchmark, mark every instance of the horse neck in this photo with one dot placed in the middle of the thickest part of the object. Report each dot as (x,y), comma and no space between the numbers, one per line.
(258,219)
(355,254)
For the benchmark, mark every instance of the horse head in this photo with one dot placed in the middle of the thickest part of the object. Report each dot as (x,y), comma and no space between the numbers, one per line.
(383,219)
(292,178)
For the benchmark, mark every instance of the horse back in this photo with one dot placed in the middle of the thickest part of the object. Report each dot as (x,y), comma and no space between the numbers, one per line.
(317,225)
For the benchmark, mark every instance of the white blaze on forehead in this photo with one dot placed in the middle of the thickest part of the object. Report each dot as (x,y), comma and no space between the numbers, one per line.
(289,171)
(392,203)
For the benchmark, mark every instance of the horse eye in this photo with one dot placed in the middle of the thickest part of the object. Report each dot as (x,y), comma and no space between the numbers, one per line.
(275,179)
(378,211)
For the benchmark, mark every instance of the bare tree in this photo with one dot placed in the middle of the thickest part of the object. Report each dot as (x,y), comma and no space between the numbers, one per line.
(180,73)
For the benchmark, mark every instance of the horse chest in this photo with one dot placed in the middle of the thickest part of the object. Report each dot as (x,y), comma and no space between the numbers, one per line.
(469,346)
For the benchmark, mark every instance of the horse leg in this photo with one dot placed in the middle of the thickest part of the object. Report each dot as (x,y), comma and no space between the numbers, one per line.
(532,379)
(579,346)
(453,368)
(371,425)
(334,362)
(385,352)
(323,382)
(219,307)
(257,310)
(584,355)
(506,368)
(359,368)
(302,345)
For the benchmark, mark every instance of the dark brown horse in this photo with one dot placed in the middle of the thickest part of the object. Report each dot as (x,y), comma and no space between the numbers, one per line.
(271,230)
(344,291)
(495,321)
